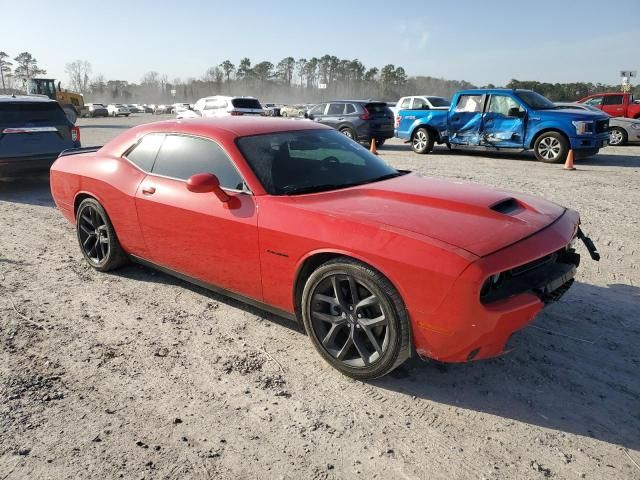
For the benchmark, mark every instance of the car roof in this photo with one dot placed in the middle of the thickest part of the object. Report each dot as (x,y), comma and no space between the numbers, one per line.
(483,91)
(25,98)
(237,126)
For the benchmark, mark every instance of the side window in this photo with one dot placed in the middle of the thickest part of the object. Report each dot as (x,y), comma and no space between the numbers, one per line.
(318,109)
(419,104)
(182,156)
(405,103)
(595,101)
(469,103)
(613,100)
(145,152)
(503,105)
(349,109)
(336,109)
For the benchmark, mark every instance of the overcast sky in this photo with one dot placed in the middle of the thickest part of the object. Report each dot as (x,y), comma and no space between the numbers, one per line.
(554,41)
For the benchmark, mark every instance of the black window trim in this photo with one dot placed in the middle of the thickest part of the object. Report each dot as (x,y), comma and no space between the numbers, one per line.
(246,190)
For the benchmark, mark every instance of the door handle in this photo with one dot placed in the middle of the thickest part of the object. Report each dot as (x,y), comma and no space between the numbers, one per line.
(148,190)
(340,119)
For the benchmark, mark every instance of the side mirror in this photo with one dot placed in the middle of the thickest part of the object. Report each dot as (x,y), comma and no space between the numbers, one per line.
(205,183)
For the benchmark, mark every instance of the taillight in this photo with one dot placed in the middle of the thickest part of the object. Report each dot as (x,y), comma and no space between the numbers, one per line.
(366,115)
(235,114)
(75,134)
(397,121)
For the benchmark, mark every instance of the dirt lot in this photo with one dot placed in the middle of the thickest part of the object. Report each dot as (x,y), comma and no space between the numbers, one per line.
(138,375)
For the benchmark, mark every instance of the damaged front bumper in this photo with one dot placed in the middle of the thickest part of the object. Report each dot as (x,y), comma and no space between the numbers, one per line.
(522,279)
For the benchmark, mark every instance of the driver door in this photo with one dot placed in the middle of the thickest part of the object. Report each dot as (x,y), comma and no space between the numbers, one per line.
(503,122)
(195,233)
(465,121)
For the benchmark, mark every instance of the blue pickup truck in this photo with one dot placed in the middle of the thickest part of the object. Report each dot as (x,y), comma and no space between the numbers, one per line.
(500,119)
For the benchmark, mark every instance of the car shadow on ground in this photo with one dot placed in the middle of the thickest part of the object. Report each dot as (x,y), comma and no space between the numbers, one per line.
(602,159)
(575,369)
(29,189)
(142,273)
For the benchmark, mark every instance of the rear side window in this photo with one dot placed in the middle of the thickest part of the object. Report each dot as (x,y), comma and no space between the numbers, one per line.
(145,152)
(27,112)
(420,104)
(336,109)
(613,100)
(469,103)
(181,156)
(439,102)
(350,109)
(405,103)
(245,103)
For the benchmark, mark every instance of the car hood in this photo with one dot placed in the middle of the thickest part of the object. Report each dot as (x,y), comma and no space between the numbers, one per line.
(477,219)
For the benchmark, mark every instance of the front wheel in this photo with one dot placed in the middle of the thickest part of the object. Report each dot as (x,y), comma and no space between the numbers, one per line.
(422,141)
(97,238)
(551,147)
(356,319)
(617,136)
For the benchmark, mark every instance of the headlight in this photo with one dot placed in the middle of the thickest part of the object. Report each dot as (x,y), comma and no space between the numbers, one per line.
(582,127)
(635,126)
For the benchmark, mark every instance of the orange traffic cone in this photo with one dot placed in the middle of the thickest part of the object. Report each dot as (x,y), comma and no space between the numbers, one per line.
(568,164)
(373,148)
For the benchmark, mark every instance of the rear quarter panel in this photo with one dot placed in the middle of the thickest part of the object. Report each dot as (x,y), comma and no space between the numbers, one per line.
(112,181)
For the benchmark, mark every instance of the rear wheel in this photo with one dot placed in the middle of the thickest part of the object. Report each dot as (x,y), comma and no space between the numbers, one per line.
(97,238)
(551,147)
(617,136)
(422,141)
(284,114)
(356,319)
(348,132)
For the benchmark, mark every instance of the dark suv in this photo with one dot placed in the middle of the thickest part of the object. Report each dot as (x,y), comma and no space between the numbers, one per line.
(360,120)
(33,132)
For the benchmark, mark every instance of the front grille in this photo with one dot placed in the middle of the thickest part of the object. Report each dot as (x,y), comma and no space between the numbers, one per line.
(548,277)
(602,126)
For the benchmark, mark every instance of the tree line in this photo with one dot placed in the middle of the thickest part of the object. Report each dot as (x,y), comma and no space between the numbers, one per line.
(288,81)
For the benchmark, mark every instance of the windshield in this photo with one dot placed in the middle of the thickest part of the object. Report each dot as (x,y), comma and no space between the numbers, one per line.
(439,102)
(305,161)
(535,100)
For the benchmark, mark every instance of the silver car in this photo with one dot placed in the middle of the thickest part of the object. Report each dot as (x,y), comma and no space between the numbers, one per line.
(621,130)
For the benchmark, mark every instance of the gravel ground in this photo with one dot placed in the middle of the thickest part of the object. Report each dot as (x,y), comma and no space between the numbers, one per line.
(137,375)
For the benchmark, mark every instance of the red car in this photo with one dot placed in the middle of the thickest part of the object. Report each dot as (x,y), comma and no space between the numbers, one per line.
(616,104)
(295,217)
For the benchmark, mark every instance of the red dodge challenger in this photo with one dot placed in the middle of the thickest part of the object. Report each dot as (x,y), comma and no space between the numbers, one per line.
(292,216)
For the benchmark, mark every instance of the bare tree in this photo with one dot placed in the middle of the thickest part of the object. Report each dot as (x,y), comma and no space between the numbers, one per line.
(79,72)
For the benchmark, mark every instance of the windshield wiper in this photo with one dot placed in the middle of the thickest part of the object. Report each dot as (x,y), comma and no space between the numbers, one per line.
(315,188)
(334,186)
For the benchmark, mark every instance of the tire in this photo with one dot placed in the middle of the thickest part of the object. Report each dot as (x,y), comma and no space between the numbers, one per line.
(97,238)
(617,136)
(422,141)
(71,114)
(551,147)
(363,342)
(284,114)
(348,132)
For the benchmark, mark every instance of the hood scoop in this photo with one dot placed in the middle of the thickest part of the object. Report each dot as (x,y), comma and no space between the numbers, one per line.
(508,206)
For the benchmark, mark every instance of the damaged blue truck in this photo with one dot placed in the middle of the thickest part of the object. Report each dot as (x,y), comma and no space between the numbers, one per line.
(502,119)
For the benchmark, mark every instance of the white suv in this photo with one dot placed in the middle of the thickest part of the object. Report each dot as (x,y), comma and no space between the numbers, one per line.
(117,109)
(421,102)
(221,106)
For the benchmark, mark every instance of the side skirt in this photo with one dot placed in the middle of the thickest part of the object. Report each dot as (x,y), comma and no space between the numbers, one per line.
(216,289)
